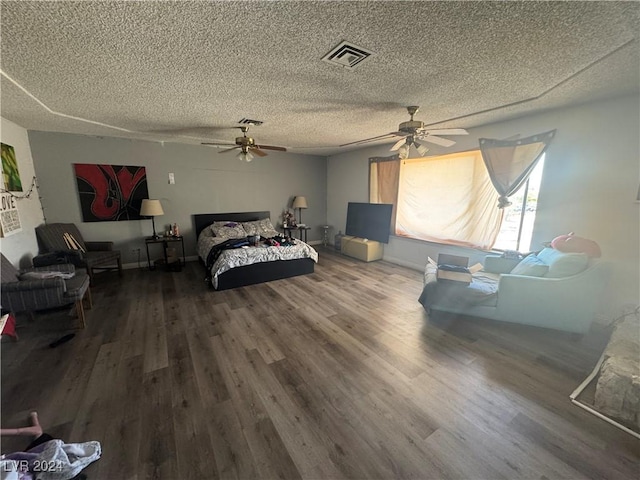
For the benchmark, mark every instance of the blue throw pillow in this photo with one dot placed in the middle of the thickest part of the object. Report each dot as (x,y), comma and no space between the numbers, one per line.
(548,255)
(531,266)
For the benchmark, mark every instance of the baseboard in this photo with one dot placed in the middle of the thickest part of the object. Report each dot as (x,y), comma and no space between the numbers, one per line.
(144,264)
(404,263)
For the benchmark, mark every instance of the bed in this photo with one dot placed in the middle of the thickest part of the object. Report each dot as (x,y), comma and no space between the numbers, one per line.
(258,272)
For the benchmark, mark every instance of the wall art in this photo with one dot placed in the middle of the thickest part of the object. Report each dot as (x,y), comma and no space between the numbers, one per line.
(10,174)
(110,192)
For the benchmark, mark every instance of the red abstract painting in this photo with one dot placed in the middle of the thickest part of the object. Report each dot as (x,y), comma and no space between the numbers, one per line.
(110,193)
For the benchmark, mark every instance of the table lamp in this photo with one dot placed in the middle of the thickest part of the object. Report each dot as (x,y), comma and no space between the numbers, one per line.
(151,208)
(299,203)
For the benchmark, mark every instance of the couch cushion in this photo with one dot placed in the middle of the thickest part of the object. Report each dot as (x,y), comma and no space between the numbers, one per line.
(483,291)
(531,266)
(563,264)
(93,259)
(8,271)
(52,236)
(548,255)
(77,286)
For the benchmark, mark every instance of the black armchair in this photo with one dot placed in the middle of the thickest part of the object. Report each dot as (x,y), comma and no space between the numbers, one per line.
(62,242)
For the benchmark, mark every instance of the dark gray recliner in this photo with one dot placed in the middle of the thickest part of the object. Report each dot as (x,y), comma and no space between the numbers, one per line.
(65,238)
(40,288)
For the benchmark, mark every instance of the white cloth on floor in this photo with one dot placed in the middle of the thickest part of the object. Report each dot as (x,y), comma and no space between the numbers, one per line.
(9,470)
(68,459)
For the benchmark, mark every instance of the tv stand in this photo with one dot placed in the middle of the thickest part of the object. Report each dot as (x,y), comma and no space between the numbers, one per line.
(361,248)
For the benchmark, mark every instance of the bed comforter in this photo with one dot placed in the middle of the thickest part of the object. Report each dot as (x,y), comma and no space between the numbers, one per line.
(247,255)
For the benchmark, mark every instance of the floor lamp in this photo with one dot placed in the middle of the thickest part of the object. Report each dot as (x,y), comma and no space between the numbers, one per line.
(151,208)
(299,203)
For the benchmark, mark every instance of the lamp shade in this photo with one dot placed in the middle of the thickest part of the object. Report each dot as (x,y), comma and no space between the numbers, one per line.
(300,202)
(151,208)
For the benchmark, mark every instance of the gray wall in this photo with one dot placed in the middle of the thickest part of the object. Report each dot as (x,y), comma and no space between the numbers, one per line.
(589,186)
(206,182)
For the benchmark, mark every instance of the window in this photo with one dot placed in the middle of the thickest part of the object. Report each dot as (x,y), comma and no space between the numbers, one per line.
(517,225)
(450,199)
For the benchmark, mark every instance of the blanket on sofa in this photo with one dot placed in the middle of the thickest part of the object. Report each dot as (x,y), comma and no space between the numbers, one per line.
(483,290)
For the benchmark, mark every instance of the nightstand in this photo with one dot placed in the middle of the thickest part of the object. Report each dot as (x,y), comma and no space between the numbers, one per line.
(289,231)
(165,241)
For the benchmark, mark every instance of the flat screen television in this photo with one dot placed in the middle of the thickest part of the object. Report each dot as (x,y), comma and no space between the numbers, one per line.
(369,220)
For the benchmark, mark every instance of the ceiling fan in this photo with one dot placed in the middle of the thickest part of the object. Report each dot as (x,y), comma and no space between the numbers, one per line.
(247,146)
(414,133)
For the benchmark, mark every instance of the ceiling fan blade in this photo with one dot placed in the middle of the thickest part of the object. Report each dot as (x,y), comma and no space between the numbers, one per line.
(445,142)
(229,149)
(422,149)
(218,144)
(271,147)
(398,144)
(379,137)
(256,151)
(447,131)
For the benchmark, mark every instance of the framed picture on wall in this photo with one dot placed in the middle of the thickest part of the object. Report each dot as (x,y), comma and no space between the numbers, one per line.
(110,193)
(10,174)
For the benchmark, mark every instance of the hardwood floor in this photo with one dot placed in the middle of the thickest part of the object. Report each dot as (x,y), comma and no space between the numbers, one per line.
(338,374)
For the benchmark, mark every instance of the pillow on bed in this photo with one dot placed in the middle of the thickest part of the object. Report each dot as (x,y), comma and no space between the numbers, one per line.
(252,228)
(265,228)
(228,230)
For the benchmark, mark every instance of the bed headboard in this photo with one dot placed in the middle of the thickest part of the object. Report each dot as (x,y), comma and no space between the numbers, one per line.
(202,220)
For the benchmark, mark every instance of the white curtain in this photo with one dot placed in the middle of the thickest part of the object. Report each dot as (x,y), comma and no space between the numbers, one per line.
(448,199)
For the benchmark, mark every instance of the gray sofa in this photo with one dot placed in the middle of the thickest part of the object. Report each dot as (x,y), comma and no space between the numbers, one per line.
(554,290)
(40,288)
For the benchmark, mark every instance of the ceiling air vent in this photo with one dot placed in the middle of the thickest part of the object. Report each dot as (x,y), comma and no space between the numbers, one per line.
(347,55)
(248,121)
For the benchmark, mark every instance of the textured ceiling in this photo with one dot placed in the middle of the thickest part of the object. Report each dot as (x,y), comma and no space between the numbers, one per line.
(180,71)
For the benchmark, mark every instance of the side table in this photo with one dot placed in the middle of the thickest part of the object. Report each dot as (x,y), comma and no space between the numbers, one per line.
(165,241)
(289,231)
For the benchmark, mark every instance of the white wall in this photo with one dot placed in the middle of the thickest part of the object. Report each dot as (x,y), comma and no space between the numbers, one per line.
(589,186)
(206,182)
(21,247)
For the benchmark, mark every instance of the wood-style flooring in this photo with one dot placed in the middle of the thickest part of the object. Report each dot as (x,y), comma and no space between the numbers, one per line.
(338,374)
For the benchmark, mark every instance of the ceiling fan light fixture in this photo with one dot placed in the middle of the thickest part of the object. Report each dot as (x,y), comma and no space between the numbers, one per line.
(403,151)
(245,156)
(422,150)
